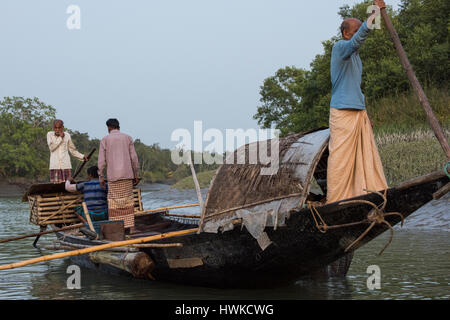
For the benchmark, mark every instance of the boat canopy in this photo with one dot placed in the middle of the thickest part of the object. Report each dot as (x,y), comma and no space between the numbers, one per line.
(263,193)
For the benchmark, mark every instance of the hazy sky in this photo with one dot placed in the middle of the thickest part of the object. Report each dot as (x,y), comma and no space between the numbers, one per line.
(157,65)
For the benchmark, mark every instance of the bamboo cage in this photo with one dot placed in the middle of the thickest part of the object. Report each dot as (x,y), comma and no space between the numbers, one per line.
(54,208)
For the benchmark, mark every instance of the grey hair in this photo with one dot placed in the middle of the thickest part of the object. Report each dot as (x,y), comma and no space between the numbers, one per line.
(56,121)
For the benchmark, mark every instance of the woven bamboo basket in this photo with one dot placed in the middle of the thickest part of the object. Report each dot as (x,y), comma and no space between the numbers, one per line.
(53,208)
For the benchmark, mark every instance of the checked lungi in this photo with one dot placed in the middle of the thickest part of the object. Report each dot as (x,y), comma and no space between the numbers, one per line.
(354,164)
(60,175)
(121,202)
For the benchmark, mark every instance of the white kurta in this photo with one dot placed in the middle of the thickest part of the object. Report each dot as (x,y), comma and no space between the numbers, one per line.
(59,151)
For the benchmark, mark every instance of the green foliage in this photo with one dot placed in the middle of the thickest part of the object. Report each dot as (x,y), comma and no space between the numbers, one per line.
(296,100)
(24,124)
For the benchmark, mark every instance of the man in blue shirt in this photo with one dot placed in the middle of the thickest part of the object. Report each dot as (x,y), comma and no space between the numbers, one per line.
(354,164)
(93,194)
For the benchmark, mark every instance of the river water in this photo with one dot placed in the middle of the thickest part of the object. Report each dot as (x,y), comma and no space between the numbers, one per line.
(415,266)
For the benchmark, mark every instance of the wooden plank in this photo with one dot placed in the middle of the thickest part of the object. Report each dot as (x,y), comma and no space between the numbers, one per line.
(184,263)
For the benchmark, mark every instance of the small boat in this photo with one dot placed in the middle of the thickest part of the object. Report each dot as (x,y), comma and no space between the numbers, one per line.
(256,241)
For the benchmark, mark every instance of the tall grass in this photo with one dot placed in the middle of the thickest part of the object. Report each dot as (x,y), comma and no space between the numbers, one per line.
(403,113)
(406,143)
(409,155)
(384,138)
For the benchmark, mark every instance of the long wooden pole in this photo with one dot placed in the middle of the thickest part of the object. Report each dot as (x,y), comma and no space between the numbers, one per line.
(197,186)
(96,248)
(166,208)
(434,123)
(88,217)
(79,225)
(84,163)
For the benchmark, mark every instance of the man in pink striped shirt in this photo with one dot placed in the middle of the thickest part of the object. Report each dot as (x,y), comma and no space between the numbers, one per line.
(118,156)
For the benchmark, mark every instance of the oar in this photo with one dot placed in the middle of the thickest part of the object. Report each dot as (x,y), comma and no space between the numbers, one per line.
(97,248)
(434,123)
(83,164)
(42,229)
(79,225)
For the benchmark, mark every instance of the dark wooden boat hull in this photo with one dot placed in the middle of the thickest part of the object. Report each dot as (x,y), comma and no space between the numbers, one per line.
(234,258)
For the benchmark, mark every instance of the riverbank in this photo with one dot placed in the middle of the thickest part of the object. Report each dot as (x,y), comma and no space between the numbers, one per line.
(17,187)
(14,188)
(204,180)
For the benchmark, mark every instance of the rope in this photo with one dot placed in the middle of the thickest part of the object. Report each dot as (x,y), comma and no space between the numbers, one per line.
(446,169)
(376,216)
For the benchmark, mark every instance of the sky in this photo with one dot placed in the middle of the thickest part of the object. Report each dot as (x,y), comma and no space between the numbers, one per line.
(157,66)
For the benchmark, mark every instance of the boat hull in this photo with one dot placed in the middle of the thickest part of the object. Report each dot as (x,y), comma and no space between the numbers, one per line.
(234,259)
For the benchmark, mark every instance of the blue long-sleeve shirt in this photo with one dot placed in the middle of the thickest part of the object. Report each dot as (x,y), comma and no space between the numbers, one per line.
(346,72)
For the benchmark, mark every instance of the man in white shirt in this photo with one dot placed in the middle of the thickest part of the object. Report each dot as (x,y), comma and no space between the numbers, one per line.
(60,144)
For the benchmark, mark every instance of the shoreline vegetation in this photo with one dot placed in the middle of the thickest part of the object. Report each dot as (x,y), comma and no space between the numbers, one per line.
(406,144)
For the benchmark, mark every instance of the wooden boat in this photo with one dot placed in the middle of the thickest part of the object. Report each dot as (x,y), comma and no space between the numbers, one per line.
(302,237)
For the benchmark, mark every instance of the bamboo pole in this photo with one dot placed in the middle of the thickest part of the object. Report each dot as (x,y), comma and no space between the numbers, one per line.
(197,185)
(166,208)
(79,225)
(96,248)
(182,215)
(157,245)
(434,123)
(88,217)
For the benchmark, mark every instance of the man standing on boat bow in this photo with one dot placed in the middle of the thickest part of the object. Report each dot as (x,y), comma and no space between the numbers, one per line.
(60,144)
(118,156)
(354,163)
